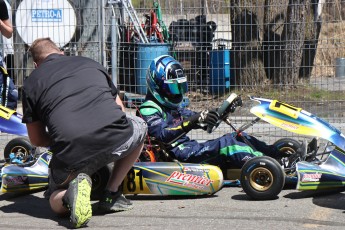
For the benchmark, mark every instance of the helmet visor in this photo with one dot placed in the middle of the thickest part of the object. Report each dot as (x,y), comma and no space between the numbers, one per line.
(176,86)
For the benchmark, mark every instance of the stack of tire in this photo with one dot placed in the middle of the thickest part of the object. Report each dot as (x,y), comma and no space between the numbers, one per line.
(196,30)
(200,33)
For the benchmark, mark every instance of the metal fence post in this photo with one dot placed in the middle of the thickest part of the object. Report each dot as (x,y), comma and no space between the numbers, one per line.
(114,47)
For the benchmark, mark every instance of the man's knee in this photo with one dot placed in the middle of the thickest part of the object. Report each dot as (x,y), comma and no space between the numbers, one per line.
(56,203)
(140,128)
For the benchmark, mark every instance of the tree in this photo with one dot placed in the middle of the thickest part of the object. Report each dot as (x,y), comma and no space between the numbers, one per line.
(247,63)
(273,25)
(293,36)
(313,28)
(289,41)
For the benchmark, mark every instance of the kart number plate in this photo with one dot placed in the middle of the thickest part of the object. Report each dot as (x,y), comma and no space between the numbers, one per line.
(285,109)
(135,182)
(6,113)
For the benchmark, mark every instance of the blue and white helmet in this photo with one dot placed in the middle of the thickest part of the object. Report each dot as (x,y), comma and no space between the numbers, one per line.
(166,81)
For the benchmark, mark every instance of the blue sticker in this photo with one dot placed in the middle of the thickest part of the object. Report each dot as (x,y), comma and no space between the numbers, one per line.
(46,15)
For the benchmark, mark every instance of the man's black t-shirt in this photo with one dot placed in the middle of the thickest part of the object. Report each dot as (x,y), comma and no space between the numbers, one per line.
(72,97)
(3,10)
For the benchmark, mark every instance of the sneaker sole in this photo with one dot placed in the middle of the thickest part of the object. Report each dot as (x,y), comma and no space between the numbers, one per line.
(120,209)
(82,212)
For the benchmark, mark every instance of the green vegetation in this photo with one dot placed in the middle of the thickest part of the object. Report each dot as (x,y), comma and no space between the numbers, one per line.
(299,93)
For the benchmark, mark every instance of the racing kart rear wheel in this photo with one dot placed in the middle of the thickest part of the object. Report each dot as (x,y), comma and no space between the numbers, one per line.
(262,178)
(22,149)
(288,148)
(99,181)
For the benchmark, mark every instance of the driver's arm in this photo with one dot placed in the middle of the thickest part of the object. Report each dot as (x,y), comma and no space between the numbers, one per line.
(159,128)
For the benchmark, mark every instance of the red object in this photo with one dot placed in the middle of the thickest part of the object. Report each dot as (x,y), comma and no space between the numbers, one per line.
(152,26)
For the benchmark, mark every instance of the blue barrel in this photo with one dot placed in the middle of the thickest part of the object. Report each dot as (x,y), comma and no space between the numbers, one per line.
(219,71)
(146,52)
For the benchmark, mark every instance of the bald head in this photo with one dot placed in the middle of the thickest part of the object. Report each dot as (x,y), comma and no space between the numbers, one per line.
(41,48)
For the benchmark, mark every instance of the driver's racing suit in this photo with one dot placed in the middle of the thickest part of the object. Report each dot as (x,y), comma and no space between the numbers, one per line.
(164,124)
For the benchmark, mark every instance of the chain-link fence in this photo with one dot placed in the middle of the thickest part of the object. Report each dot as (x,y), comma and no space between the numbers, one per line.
(287,50)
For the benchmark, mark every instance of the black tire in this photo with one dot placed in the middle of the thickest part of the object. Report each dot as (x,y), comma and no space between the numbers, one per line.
(22,148)
(99,181)
(262,178)
(288,150)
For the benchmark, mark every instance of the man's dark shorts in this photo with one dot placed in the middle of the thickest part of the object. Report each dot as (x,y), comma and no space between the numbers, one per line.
(60,178)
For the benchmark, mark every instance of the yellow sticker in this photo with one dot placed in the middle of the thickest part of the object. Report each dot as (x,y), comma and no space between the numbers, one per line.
(285,109)
(6,112)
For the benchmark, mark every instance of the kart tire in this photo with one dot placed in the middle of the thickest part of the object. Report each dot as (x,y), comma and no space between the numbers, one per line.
(287,144)
(99,181)
(21,147)
(289,147)
(262,178)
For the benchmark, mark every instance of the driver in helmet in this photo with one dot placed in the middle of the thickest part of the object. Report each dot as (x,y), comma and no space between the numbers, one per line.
(168,122)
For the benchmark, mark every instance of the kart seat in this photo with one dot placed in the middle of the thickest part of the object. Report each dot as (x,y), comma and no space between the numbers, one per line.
(158,151)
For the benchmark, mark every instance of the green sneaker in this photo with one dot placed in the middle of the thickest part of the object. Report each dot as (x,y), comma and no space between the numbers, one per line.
(77,200)
(114,202)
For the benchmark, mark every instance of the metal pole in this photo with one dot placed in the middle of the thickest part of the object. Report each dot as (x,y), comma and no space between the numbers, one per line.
(114,48)
(102,33)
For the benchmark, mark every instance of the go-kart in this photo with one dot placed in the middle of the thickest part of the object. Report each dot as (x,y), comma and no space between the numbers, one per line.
(262,178)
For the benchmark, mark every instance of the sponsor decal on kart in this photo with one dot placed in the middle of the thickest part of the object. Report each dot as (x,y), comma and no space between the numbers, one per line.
(289,126)
(187,169)
(189,180)
(311,177)
(15,180)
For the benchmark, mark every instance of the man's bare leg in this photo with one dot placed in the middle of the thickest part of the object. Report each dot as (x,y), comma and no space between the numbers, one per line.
(121,168)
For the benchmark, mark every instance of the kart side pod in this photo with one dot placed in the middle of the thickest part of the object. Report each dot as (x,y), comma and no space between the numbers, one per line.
(159,178)
(172,178)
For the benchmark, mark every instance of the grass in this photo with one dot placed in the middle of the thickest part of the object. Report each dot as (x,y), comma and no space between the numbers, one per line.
(321,102)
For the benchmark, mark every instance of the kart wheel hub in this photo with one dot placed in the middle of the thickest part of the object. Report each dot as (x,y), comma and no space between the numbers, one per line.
(20,153)
(261,179)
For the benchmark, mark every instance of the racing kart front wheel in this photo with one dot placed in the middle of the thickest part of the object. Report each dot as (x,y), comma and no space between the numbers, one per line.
(22,149)
(262,178)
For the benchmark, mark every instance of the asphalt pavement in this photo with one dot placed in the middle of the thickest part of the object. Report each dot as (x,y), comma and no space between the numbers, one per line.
(229,208)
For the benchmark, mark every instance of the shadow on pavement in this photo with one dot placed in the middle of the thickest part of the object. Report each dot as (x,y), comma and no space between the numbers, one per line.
(333,199)
(170,197)
(30,205)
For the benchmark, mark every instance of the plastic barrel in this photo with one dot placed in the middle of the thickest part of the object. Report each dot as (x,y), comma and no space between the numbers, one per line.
(340,67)
(146,52)
(219,71)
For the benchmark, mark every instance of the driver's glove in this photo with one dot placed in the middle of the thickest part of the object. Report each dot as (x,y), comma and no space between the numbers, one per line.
(209,118)
(204,119)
